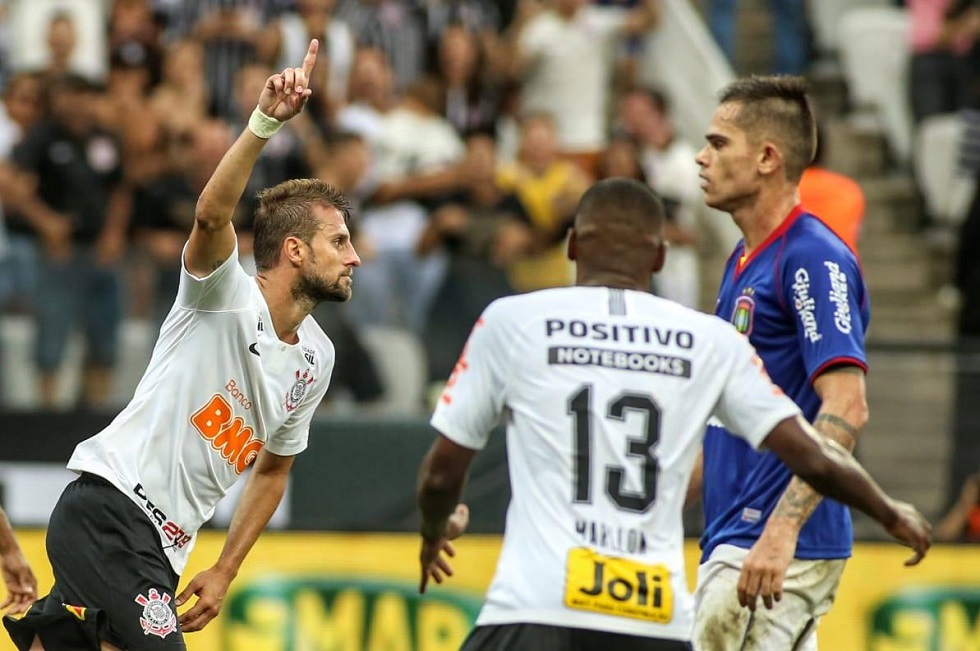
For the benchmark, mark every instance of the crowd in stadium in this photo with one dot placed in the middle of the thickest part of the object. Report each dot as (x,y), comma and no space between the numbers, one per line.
(465,132)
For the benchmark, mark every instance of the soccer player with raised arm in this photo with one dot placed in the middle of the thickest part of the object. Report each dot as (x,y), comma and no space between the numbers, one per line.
(234,379)
(795,290)
(604,390)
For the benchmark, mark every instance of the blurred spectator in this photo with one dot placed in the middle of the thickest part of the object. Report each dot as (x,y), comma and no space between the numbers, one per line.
(549,188)
(467,227)
(943,73)
(562,57)
(21,107)
(670,169)
(627,56)
(470,99)
(345,163)
(181,99)
(482,18)
(78,173)
(58,37)
(395,27)
(127,111)
(790,32)
(286,40)
(164,209)
(836,199)
(135,35)
(231,32)
(395,287)
(61,39)
(962,522)
(372,94)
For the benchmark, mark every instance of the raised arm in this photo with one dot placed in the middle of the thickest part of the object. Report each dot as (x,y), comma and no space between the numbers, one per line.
(212,237)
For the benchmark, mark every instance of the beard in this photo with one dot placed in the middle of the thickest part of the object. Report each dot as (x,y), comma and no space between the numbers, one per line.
(319,289)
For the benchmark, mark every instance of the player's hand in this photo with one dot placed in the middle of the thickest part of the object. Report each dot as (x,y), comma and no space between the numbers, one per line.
(210,587)
(911,529)
(285,93)
(764,569)
(20,581)
(434,563)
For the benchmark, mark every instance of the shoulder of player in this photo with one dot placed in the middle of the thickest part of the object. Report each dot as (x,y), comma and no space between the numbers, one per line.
(810,239)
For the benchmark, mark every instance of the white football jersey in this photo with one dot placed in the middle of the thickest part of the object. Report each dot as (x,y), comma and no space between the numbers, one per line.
(604,394)
(220,387)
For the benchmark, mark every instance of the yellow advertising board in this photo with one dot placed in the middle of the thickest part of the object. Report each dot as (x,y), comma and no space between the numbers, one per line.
(354,592)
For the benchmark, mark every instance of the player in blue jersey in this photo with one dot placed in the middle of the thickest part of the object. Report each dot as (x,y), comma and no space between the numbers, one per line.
(796,291)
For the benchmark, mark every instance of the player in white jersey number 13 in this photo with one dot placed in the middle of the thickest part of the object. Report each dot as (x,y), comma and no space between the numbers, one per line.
(604,390)
(233,382)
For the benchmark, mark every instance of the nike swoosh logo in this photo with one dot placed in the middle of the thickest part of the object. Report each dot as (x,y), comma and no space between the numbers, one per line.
(254,350)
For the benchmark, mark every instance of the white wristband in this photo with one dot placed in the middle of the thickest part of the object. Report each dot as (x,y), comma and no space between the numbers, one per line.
(262,125)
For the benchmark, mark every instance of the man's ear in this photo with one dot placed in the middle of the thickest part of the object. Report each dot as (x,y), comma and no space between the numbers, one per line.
(658,262)
(572,248)
(770,158)
(293,250)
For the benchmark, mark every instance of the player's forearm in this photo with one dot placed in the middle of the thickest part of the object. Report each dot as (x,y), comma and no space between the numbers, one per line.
(263,492)
(438,494)
(8,543)
(843,413)
(830,469)
(224,189)
(799,500)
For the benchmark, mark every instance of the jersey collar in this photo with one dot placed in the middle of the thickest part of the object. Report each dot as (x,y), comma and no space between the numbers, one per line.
(743,260)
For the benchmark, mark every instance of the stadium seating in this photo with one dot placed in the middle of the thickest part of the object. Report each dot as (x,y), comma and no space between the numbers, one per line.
(401,364)
(875,58)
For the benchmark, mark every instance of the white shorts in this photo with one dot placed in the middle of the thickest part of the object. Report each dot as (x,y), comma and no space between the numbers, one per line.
(721,624)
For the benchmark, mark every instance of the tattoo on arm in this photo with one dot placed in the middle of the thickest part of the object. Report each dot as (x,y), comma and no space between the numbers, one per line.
(837,422)
(799,500)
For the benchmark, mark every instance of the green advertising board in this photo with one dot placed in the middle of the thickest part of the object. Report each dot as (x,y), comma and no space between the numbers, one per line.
(927,619)
(318,613)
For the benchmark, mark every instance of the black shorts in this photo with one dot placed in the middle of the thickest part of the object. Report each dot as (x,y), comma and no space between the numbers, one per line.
(540,637)
(113,581)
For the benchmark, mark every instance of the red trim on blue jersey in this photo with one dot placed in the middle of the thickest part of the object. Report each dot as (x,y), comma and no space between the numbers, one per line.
(780,230)
(839,361)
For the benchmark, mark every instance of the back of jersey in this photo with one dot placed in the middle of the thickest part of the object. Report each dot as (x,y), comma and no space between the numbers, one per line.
(605,393)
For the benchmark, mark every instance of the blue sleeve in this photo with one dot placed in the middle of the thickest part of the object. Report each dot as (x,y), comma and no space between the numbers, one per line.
(823,289)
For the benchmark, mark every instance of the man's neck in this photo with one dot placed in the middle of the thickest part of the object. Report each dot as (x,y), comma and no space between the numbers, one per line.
(613,280)
(758,220)
(287,313)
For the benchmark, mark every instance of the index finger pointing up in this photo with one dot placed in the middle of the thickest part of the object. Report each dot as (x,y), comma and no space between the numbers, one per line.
(310,59)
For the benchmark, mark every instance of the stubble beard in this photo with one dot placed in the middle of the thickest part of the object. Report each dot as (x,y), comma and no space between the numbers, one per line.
(317,289)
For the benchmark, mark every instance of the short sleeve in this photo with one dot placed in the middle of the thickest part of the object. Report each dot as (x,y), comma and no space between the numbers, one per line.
(472,402)
(750,405)
(226,288)
(293,437)
(823,289)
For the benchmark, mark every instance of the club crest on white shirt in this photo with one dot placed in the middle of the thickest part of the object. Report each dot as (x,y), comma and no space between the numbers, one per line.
(296,392)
